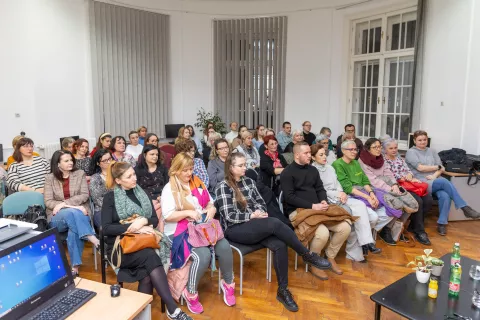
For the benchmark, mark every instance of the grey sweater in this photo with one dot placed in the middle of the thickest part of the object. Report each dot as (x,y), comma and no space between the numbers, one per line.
(330,182)
(427,157)
(216,173)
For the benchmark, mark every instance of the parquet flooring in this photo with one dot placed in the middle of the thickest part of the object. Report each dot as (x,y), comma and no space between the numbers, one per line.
(341,297)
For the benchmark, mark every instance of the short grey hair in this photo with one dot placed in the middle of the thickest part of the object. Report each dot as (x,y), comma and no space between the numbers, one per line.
(321,137)
(297,131)
(386,140)
(346,143)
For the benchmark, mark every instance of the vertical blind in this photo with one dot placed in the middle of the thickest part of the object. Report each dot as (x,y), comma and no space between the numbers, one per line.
(249,70)
(130,58)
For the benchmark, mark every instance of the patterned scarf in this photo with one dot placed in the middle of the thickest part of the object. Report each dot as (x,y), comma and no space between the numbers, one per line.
(371,160)
(274,157)
(126,207)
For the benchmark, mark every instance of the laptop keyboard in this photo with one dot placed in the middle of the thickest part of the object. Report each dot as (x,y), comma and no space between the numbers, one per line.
(66,305)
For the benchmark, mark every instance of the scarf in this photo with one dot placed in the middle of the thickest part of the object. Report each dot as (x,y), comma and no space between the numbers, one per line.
(249,151)
(180,193)
(320,167)
(370,160)
(126,207)
(274,157)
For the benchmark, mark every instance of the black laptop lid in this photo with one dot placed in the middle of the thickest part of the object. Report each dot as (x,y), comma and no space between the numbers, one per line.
(31,272)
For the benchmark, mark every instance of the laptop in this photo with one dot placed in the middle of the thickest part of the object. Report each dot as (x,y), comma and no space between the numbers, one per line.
(36,281)
(11,231)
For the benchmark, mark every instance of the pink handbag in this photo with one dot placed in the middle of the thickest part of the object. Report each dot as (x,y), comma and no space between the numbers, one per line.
(204,234)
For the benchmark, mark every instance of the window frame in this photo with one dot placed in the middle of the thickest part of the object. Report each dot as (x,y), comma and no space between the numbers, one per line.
(382,56)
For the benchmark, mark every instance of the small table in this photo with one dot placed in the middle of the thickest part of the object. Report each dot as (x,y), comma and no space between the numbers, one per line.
(129,305)
(409,298)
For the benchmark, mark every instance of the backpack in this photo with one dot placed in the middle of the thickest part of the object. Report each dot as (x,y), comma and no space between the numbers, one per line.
(36,214)
(474,173)
(455,160)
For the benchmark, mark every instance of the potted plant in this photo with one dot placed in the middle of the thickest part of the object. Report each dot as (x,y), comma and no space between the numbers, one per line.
(437,266)
(204,117)
(423,266)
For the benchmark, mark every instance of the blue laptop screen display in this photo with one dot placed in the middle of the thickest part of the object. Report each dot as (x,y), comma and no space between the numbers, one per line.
(28,271)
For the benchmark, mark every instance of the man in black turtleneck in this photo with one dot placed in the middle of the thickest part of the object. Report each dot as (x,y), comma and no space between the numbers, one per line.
(301,183)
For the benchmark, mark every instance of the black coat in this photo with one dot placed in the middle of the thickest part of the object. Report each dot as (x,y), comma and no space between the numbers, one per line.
(267,172)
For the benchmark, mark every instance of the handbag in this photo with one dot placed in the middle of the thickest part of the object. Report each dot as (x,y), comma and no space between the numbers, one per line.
(132,242)
(419,188)
(204,234)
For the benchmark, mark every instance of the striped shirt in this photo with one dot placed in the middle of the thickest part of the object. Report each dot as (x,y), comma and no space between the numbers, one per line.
(32,176)
(230,211)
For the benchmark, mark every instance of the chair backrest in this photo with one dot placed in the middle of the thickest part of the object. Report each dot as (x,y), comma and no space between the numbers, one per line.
(168,148)
(18,202)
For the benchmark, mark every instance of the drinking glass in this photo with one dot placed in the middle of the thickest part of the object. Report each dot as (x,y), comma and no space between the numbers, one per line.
(475,272)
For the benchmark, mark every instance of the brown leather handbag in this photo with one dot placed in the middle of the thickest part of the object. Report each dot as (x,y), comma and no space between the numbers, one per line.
(133,242)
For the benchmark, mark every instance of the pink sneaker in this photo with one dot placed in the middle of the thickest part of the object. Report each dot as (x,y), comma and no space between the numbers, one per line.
(192,302)
(228,293)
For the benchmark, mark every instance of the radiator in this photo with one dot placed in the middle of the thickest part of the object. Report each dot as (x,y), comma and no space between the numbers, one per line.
(49,149)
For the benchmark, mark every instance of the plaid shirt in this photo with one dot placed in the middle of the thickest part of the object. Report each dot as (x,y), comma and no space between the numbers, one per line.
(200,171)
(230,211)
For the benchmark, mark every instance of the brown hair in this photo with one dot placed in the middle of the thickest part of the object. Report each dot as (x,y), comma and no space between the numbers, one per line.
(17,155)
(255,134)
(314,148)
(184,145)
(419,133)
(213,153)
(140,129)
(115,171)
(55,161)
(77,144)
(101,138)
(181,131)
(132,132)
(230,179)
(181,161)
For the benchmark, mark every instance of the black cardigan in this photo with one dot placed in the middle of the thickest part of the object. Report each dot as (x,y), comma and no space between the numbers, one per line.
(267,172)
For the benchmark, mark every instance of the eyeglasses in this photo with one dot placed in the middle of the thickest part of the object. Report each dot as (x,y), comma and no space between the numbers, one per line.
(106,160)
(376,147)
(352,149)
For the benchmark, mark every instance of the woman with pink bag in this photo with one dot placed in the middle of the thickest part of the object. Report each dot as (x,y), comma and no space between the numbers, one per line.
(186,204)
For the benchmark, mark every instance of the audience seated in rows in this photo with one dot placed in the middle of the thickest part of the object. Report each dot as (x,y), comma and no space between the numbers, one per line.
(199,169)
(297,136)
(144,266)
(27,172)
(184,199)
(118,146)
(285,136)
(233,132)
(245,221)
(426,166)
(98,189)
(258,136)
(271,164)
(134,148)
(308,136)
(402,173)
(216,165)
(354,182)
(103,142)
(308,209)
(142,133)
(82,160)
(362,237)
(10,159)
(249,151)
(67,205)
(348,134)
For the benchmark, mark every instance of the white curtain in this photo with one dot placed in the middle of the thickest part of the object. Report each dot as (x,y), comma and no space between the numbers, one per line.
(130,68)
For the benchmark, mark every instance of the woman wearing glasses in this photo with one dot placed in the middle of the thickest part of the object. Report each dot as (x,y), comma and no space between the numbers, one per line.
(216,166)
(100,163)
(355,183)
(324,140)
(28,172)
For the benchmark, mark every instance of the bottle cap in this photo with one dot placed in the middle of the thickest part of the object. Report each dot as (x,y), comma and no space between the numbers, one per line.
(457,244)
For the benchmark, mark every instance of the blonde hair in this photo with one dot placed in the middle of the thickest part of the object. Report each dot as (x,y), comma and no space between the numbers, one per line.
(115,171)
(15,140)
(245,134)
(66,141)
(180,162)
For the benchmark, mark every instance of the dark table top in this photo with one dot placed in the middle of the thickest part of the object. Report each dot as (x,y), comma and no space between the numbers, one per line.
(409,298)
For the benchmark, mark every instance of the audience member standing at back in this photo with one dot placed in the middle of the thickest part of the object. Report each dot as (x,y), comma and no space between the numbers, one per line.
(28,172)
(308,136)
(216,166)
(102,143)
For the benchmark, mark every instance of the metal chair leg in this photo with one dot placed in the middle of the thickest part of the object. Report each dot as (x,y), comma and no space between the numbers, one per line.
(296,261)
(95,257)
(268,262)
(241,274)
(270,266)
(219,280)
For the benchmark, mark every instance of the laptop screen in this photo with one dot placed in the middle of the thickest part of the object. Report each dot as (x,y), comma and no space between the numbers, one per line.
(29,270)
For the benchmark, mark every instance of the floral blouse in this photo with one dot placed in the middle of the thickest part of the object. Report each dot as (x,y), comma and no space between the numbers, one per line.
(398,167)
(83,164)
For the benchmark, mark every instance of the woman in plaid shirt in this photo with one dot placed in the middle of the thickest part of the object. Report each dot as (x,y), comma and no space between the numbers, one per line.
(246,221)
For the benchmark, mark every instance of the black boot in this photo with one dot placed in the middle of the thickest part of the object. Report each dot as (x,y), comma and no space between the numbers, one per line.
(371,247)
(422,237)
(470,213)
(286,298)
(316,261)
(386,235)
(365,250)
(442,229)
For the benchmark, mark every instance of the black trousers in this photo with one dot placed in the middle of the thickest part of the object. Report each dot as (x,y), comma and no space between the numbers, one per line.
(273,234)
(417,219)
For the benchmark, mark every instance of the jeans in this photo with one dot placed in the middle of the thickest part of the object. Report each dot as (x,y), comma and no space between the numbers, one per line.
(78,227)
(446,192)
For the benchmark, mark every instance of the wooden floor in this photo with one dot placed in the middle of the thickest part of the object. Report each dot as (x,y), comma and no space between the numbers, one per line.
(341,297)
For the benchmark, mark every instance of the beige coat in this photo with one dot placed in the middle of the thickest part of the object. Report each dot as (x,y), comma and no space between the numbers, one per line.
(79,194)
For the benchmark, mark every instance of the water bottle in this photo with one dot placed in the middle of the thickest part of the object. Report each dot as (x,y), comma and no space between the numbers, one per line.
(455,255)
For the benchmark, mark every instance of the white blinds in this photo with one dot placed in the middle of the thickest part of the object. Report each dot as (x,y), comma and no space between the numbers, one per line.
(130,58)
(249,60)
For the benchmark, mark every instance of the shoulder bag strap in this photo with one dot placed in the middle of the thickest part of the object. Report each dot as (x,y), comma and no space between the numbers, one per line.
(117,249)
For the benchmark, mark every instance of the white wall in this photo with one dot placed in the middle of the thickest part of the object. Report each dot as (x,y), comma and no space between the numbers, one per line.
(45,70)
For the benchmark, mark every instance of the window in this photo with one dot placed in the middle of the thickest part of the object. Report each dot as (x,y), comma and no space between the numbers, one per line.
(249,76)
(381,75)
